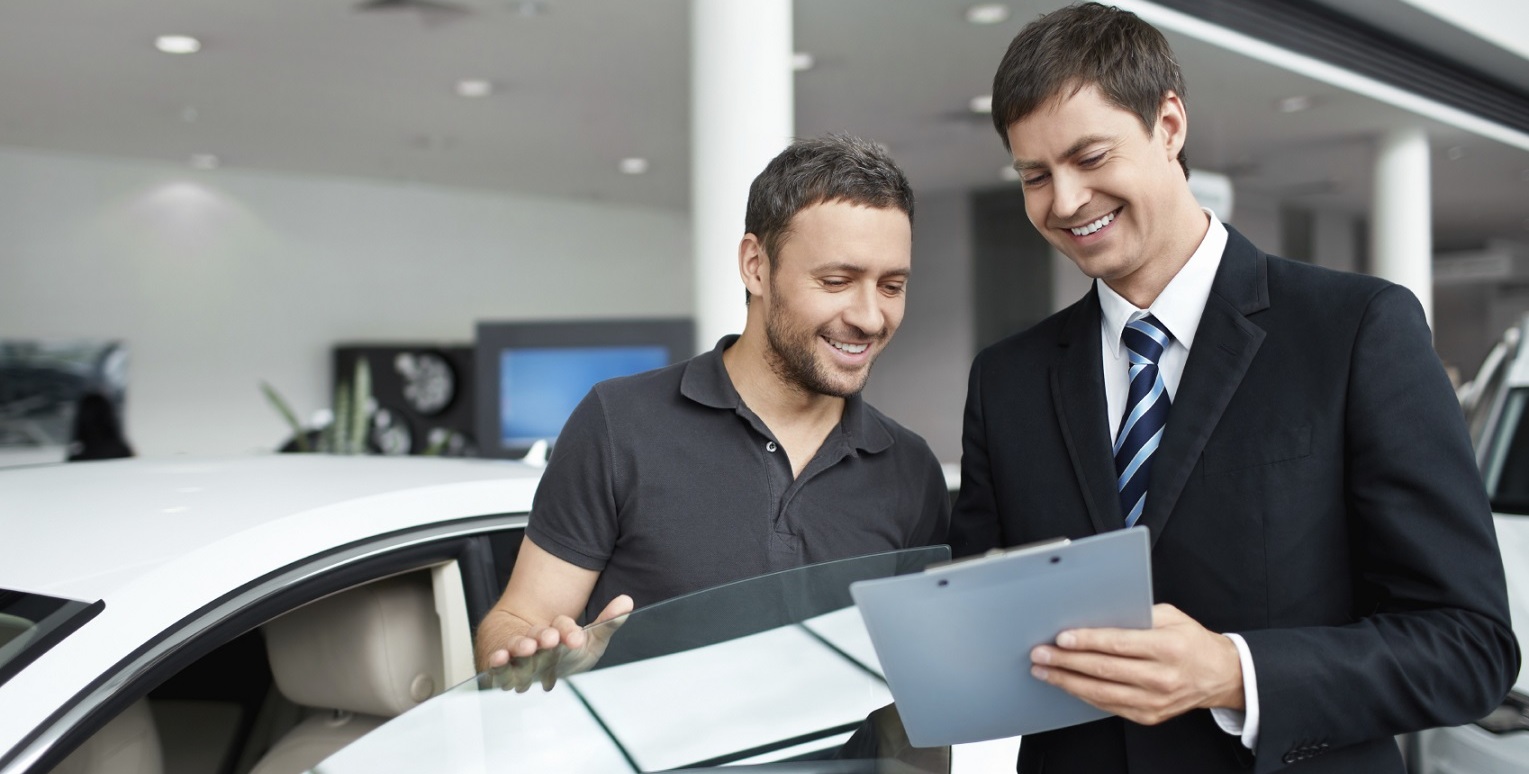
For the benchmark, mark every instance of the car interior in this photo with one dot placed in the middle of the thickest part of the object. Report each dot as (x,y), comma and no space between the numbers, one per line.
(283,697)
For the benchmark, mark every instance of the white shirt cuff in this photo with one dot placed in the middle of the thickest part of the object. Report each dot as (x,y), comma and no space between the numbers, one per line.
(1244,723)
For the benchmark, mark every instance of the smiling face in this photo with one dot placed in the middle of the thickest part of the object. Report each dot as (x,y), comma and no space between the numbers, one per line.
(835,295)
(1108,194)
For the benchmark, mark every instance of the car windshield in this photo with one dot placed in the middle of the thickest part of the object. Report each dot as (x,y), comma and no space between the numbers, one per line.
(1507,461)
(32,623)
(775,672)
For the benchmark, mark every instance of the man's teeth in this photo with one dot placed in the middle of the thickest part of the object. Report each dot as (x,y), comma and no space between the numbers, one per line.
(853,349)
(1092,227)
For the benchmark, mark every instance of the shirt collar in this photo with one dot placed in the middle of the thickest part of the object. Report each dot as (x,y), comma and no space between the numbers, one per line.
(1181,303)
(706,382)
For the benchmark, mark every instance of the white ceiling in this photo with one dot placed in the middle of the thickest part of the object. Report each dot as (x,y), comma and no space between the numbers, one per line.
(314,86)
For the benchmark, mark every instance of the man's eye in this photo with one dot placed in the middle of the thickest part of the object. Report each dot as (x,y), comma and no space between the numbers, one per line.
(835,282)
(893,288)
(1092,161)
(1035,180)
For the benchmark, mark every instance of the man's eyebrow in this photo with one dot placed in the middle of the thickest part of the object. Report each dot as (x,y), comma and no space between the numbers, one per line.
(855,268)
(1025,165)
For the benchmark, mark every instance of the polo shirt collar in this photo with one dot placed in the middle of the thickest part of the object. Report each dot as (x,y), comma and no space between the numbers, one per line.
(706,382)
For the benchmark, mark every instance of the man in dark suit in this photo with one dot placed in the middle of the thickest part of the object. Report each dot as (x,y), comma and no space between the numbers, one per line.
(1323,553)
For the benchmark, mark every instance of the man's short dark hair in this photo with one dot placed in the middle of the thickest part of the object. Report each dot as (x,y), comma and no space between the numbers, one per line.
(835,167)
(1067,50)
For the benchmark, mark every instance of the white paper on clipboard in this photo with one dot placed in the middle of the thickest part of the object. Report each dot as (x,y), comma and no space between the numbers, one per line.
(954,640)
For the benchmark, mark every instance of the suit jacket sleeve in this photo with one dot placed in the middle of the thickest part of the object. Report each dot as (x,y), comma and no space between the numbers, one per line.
(1431,644)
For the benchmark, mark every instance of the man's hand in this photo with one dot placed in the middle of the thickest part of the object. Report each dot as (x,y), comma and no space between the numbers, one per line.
(545,653)
(1146,676)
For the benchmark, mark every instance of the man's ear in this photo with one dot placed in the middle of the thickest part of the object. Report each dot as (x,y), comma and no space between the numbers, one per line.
(1173,123)
(752,264)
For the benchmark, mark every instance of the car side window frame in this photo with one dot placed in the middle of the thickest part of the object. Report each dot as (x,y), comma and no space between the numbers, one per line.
(240,611)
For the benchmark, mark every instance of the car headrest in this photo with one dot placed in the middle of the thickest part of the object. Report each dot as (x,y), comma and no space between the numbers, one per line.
(373,650)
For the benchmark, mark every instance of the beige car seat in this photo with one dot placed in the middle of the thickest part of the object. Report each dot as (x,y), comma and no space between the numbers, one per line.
(360,657)
(128,744)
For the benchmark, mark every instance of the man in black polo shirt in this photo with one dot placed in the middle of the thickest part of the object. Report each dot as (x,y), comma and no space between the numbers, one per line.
(757,456)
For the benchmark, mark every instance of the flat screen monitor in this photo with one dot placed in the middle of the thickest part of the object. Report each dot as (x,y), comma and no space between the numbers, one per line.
(531,375)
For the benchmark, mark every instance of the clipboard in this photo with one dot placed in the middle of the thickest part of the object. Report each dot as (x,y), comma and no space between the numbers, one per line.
(954,641)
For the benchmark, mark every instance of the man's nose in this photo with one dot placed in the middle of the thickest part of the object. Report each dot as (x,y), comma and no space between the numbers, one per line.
(1069,195)
(864,312)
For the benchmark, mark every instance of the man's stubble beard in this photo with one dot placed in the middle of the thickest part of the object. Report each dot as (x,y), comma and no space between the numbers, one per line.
(791,354)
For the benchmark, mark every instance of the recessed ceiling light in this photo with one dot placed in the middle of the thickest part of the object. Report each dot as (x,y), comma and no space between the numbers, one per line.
(530,8)
(474,87)
(802,61)
(988,13)
(635,165)
(1009,174)
(1294,104)
(1455,153)
(205,161)
(982,104)
(177,44)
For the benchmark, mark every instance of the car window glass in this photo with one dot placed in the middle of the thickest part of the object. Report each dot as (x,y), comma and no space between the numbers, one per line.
(764,671)
(32,623)
(1507,463)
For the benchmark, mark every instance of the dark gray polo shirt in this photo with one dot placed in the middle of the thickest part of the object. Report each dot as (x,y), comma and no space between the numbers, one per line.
(666,483)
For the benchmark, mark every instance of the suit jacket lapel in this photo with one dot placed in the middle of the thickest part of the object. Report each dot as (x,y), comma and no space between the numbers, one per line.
(1224,346)
(1077,392)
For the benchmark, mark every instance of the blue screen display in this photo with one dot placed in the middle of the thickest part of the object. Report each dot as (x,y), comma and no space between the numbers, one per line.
(539,387)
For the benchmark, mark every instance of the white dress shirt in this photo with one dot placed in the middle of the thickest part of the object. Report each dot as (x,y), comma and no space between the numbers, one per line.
(1178,308)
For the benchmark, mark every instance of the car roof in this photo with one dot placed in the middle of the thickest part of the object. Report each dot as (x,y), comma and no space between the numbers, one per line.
(83,530)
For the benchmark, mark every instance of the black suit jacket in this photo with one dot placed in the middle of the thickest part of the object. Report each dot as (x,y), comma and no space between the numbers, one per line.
(1315,492)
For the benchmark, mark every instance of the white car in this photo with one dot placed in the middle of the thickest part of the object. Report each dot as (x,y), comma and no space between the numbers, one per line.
(1495,403)
(264,615)
(142,603)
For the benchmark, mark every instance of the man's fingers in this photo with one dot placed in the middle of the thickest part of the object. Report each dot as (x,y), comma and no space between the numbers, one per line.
(1127,701)
(1134,643)
(498,658)
(1141,673)
(619,606)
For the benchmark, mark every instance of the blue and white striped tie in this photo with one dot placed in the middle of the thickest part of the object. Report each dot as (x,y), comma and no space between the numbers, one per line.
(1141,427)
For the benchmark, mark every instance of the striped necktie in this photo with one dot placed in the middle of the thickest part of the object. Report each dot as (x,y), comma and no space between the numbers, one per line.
(1141,426)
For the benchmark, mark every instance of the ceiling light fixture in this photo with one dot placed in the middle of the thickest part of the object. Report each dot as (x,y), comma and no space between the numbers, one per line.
(530,9)
(177,44)
(1455,153)
(205,161)
(988,13)
(1294,104)
(802,61)
(983,104)
(635,165)
(474,87)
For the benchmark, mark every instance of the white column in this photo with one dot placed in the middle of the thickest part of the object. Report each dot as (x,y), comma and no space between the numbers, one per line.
(1401,221)
(741,116)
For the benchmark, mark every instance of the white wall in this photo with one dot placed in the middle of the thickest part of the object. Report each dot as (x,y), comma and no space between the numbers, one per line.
(220,279)
(1257,217)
